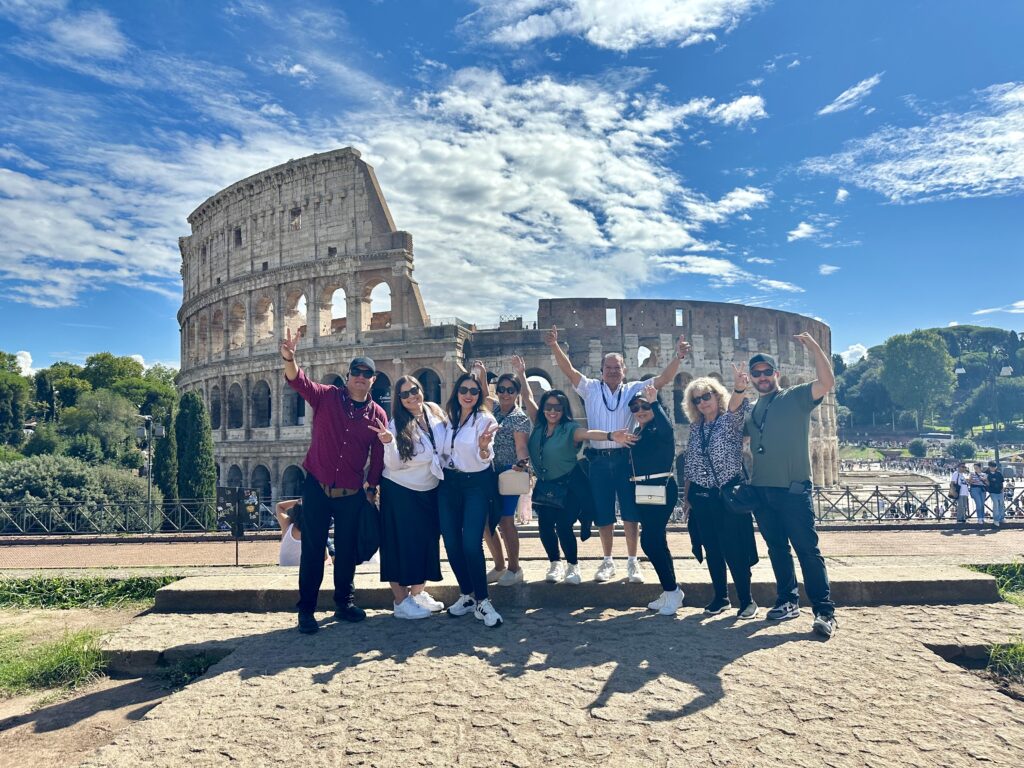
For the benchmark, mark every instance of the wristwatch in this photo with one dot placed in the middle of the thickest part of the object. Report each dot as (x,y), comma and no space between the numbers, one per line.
(609,436)
(372,490)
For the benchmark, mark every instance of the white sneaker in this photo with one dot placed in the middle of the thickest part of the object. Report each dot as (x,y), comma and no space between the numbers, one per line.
(655,605)
(634,572)
(410,609)
(572,575)
(556,572)
(462,606)
(511,578)
(673,602)
(487,614)
(425,599)
(605,571)
(494,574)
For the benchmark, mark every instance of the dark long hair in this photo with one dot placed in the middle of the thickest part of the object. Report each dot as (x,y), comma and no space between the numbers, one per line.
(405,422)
(558,395)
(454,407)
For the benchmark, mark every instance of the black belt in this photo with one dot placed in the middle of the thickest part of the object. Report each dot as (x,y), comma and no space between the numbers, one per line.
(603,452)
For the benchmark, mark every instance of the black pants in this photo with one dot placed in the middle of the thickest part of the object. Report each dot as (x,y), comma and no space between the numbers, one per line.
(653,519)
(556,527)
(318,510)
(727,540)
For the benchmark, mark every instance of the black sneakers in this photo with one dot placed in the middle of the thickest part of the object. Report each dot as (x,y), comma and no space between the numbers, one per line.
(308,624)
(350,612)
(717,606)
(825,625)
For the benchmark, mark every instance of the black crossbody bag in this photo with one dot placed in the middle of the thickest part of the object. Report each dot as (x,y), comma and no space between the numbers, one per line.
(738,496)
(549,493)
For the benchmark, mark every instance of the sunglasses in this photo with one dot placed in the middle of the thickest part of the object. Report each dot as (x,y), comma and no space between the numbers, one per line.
(469,391)
(505,390)
(762,373)
(553,408)
(366,373)
(410,392)
(637,407)
(701,398)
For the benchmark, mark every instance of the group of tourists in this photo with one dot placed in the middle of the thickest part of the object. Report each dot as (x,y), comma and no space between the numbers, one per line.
(457,473)
(977,484)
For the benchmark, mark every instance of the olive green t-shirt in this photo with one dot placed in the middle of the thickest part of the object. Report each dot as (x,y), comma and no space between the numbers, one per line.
(781,425)
(555,456)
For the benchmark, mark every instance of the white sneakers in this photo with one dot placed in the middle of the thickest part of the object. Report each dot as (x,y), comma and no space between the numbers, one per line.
(510,578)
(572,575)
(462,606)
(673,602)
(634,573)
(494,574)
(425,599)
(410,609)
(605,571)
(486,613)
(556,572)
(655,605)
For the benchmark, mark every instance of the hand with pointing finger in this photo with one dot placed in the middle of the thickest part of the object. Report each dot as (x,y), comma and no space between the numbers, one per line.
(551,337)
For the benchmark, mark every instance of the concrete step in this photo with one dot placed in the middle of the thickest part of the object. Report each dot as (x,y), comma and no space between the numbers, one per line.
(852,585)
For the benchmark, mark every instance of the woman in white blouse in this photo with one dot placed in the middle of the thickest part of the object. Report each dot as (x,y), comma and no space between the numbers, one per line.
(467,493)
(409,548)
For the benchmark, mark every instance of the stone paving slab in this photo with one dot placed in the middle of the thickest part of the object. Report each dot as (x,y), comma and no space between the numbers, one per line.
(585,687)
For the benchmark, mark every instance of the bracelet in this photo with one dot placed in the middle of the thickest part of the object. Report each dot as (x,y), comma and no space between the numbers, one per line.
(739,391)
(288,359)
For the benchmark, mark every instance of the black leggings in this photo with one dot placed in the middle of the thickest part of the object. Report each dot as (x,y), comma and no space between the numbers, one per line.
(556,527)
(653,519)
(726,538)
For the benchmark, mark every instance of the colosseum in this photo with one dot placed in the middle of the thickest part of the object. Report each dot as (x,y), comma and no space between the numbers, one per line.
(310,246)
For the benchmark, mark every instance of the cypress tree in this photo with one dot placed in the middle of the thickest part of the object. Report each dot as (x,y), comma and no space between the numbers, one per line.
(165,461)
(197,473)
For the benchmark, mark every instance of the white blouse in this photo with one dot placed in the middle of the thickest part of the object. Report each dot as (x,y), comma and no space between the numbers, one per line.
(422,472)
(460,447)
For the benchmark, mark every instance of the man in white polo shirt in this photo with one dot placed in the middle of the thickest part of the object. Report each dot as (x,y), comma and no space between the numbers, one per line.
(606,401)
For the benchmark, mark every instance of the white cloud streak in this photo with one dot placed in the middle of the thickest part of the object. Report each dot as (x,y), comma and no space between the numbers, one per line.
(1016,308)
(842,195)
(802,231)
(827,269)
(854,353)
(852,96)
(722,272)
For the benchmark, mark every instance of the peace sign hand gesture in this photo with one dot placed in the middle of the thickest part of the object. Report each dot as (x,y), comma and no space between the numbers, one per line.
(741,380)
(382,431)
(650,394)
(289,344)
(484,441)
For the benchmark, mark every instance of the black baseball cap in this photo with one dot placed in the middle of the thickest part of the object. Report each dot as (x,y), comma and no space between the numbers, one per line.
(762,357)
(363,361)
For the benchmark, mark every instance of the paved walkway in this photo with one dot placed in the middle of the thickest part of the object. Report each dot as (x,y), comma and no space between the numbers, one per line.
(581,688)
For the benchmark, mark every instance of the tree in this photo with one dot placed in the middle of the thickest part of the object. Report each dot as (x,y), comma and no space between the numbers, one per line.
(197,473)
(153,397)
(160,373)
(108,416)
(9,363)
(45,440)
(918,448)
(978,407)
(961,450)
(165,461)
(14,401)
(103,369)
(86,448)
(838,364)
(917,370)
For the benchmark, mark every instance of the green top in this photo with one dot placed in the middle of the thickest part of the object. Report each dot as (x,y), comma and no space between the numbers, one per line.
(781,425)
(559,452)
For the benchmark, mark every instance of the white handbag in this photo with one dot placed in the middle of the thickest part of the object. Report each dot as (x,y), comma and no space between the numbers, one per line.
(650,494)
(513,483)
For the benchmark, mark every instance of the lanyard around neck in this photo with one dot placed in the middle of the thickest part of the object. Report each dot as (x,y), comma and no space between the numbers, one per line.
(618,397)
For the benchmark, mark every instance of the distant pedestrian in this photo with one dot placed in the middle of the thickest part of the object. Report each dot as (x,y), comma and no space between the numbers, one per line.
(995,493)
(960,484)
(979,485)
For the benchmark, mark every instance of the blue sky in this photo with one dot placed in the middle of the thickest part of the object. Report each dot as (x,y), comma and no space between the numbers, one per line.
(858,162)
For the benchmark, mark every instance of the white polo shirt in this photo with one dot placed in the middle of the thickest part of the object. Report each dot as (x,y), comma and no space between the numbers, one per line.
(607,411)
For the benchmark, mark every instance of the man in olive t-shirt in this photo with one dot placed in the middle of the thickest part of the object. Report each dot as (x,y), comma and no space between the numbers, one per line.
(779,428)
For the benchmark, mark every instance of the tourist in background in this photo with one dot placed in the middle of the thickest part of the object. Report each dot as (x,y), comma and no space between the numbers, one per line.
(467,493)
(960,483)
(995,493)
(510,453)
(979,484)
(289,517)
(606,401)
(714,459)
(410,552)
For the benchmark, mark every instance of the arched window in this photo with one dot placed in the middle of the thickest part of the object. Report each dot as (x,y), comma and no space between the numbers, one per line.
(236,327)
(293,408)
(333,310)
(381,391)
(263,321)
(539,381)
(295,313)
(261,404)
(215,407)
(380,307)
(235,408)
(261,483)
(431,384)
(291,482)
(203,346)
(678,388)
(217,333)
(234,477)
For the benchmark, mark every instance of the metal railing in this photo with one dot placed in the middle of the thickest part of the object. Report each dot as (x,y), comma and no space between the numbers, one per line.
(886,504)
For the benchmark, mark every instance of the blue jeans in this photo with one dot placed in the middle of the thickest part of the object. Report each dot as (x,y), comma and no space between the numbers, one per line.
(998,507)
(609,477)
(786,518)
(465,503)
(978,494)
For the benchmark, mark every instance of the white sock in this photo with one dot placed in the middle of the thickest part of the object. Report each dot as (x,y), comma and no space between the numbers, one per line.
(608,558)
(632,559)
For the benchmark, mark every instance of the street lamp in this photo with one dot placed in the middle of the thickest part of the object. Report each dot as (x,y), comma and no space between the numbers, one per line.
(1004,371)
(147,433)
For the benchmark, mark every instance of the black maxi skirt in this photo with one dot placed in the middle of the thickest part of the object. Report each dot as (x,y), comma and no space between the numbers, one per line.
(410,548)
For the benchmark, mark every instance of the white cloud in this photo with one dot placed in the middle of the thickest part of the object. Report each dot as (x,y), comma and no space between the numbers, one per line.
(1017,308)
(842,195)
(827,269)
(723,273)
(854,353)
(734,202)
(952,324)
(852,96)
(760,260)
(611,24)
(298,71)
(739,112)
(977,153)
(24,359)
(793,64)
(803,230)
(90,34)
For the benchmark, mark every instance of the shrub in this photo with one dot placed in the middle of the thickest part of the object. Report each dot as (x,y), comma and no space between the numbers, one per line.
(9,454)
(918,448)
(44,441)
(85,447)
(961,450)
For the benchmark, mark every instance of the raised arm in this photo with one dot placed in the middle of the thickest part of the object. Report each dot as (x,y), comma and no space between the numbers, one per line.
(666,376)
(281,510)
(822,366)
(564,364)
(739,387)
(291,369)
(525,391)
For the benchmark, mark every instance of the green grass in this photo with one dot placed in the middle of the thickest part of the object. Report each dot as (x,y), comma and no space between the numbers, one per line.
(183,672)
(94,592)
(1009,578)
(67,662)
(1007,662)
(854,453)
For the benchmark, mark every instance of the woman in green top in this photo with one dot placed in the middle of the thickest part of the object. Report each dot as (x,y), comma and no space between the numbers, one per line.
(553,446)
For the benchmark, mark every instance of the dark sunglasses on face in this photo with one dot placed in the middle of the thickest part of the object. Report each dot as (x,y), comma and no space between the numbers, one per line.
(554,408)
(701,398)
(637,407)
(505,390)
(366,373)
(474,391)
(410,392)
(762,373)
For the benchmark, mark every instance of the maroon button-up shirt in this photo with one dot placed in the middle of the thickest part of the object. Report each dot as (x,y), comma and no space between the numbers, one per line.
(342,438)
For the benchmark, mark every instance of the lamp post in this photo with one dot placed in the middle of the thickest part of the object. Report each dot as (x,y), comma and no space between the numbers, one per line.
(990,376)
(56,395)
(147,433)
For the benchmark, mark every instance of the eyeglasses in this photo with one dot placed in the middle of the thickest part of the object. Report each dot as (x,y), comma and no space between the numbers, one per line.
(469,391)
(554,408)
(702,398)
(366,373)
(505,390)
(410,392)
(762,373)
(637,407)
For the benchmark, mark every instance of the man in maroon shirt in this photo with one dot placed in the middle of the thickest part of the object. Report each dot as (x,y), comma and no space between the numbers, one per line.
(334,487)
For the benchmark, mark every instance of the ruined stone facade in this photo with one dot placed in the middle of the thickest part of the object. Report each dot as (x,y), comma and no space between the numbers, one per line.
(276,252)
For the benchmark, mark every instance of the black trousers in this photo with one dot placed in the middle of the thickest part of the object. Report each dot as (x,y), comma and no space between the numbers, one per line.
(318,511)
(727,540)
(556,527)
(653,520)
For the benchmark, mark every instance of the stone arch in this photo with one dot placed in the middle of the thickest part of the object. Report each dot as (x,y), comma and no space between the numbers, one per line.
(190,341)
(236,407)
(679,385)
(381,391)
(333,309)
(717,377)
(263,320)
(293,408)
(333,379)
(647,353)
(216,407)
(216,471)
(783,381)
(431,384)
(378,304)
(799,380)
(817,473)
(203,339)
(234,479)
(295,312)
(236,326)
(261,405)
(539,380)
(217,333)
(261,483)
(291,482)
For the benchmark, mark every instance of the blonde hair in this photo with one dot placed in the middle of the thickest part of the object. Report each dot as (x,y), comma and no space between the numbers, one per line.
(699,387)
